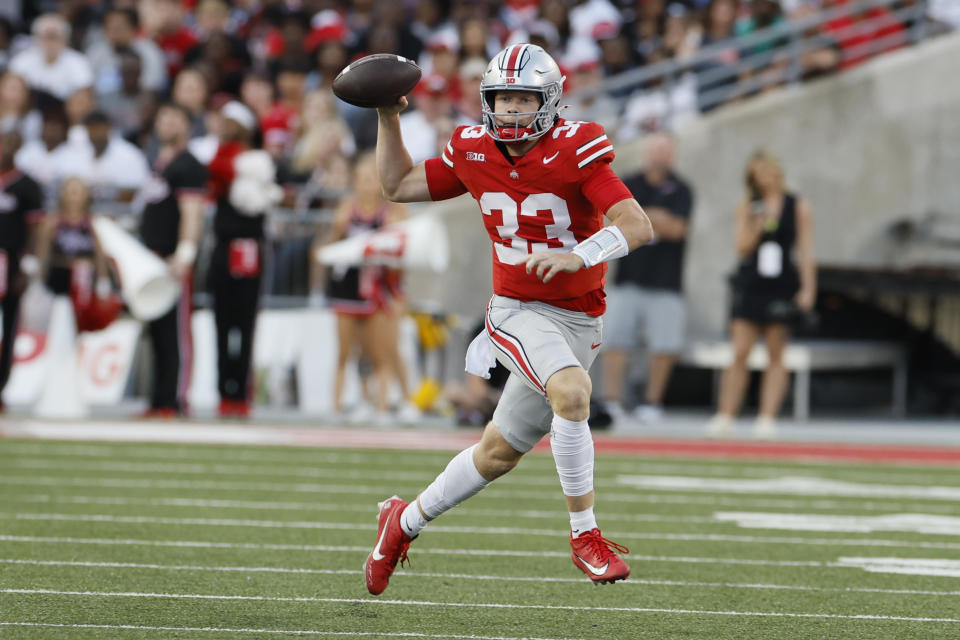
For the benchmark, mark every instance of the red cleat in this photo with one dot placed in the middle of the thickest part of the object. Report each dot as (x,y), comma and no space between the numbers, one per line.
(595,556)
(233,408)
(392,545)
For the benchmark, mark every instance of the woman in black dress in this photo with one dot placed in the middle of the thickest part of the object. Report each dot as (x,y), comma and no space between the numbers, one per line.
(776,274)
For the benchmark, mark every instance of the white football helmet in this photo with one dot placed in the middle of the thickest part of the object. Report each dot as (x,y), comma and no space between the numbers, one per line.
(522,67)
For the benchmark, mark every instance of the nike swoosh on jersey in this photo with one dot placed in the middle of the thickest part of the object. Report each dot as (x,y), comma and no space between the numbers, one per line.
(594,346)
(595,571)
(377,556)
(550,159)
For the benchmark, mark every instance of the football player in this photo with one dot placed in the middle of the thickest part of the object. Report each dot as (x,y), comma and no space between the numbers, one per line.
(543,185)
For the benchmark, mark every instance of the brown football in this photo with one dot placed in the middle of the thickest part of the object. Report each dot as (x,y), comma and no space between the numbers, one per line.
(377,80)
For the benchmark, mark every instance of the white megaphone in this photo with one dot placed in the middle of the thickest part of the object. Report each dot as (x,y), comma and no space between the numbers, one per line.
(419,242)
(146,284)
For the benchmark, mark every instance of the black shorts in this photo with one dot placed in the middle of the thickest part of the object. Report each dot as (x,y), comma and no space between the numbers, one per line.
(761,307)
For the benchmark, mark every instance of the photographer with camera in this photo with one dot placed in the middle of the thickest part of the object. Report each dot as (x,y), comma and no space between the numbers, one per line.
(775,282)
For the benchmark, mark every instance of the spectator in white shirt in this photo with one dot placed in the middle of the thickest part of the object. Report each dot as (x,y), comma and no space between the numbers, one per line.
(38,158)
(120,33)
(432,99)
(48,65)
(113,167)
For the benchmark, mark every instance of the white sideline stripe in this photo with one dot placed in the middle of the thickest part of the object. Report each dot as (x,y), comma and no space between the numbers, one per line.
(468,576)
(286,632)
(469,605)
(593,157)
(800,485)
(542,554)
(544,477)
(501,490)
(920,523)
(302,524)
(424,477)
(223,469)
(308,458)
(129,431)
(909,566)
(538,460)
(467,510)
(321,506)
(430,551)
(351,526)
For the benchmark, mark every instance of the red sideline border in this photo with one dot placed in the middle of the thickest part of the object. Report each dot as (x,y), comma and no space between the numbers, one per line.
(454,440)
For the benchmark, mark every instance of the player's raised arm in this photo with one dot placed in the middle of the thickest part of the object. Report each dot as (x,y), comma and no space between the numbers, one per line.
(402,180)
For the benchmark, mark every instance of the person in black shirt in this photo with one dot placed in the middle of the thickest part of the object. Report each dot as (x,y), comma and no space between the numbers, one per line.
(174,201)
(772,225)
(649,282)
(21,203)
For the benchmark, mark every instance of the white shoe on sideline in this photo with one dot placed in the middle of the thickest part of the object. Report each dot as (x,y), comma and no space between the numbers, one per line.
(765,428)
(648,413)
(617,412)
(720,426)
(362,413)
(408,413)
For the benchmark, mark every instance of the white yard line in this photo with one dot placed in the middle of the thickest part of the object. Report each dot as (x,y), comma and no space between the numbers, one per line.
(285,632)
(540,477)
(307,458)
(351,526)
(478,552)
(791,485)
(502,490)
(348,526)
(300,460)
(467,576)
(173,501)
(469,605)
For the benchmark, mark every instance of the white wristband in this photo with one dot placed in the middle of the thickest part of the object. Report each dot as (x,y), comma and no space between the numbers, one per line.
(186,252)
(606,244)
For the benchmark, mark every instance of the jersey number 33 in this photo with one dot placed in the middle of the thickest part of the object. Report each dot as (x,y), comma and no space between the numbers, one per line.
(541,222)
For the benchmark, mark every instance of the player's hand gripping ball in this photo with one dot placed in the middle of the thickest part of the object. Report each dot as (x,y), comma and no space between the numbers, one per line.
(378,80)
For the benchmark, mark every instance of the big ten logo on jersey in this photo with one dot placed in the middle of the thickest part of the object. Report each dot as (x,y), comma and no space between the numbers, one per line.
(476,131)
(541,222)
(570,127)
(476,157)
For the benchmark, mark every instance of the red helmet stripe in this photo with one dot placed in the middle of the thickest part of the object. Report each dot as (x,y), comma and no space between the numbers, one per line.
(512,58)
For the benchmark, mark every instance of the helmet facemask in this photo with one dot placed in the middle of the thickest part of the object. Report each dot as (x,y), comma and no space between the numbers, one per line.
(543,118)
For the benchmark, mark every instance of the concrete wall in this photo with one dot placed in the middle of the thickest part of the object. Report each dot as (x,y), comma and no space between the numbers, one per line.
(873,145)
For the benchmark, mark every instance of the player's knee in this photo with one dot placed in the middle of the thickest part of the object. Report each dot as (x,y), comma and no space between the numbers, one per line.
(494,456)
(569,393)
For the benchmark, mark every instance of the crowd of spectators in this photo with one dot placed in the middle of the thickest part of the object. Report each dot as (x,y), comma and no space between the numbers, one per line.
(82,79)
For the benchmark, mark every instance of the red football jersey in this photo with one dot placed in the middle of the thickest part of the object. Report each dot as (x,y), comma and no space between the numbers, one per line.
(541,201)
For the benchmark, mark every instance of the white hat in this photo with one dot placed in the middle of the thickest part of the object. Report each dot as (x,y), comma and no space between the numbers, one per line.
(239,113)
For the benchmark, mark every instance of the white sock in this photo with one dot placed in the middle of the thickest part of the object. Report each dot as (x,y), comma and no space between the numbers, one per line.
(582,521)
(456,483)
(412,520)
(572,446)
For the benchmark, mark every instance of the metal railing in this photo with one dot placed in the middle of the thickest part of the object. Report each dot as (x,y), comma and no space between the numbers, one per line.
(773,56)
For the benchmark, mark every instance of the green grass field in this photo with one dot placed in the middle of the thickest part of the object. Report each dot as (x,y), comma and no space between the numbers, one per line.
(160,541)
